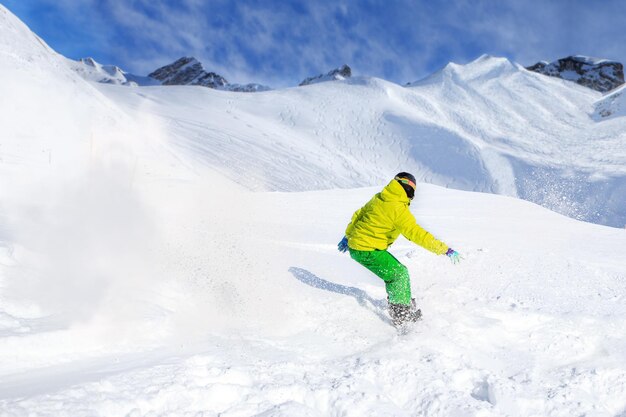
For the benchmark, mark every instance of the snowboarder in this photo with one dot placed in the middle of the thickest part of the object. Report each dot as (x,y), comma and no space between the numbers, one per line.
(374,227)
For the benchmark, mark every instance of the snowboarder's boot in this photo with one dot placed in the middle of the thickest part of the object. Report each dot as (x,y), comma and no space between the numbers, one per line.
(402,314)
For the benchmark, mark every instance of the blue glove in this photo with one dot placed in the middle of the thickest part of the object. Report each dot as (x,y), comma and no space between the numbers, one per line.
(454,256)
(343,245)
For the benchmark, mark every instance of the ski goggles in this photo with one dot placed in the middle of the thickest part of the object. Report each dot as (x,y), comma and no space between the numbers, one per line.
(406,181)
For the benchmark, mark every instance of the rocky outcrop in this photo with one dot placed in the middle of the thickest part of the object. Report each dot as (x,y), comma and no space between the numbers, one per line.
(599,74)
(340,73)
(187,71)
(246,88)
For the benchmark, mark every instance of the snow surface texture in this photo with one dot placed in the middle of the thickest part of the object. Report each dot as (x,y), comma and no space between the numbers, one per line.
(139,276)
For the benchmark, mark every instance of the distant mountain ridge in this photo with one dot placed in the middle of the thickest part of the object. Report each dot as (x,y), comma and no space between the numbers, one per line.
(184,71)
(598,74)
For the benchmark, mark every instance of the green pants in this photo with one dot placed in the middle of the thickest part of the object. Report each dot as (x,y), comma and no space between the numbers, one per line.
(390,270)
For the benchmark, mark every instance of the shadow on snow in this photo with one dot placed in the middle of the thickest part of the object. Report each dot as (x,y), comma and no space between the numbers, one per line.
(378,307)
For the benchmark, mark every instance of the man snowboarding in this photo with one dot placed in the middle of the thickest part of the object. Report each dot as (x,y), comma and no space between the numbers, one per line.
(374,227)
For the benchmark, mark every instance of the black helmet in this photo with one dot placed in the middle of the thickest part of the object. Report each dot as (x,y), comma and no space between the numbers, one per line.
(407,181)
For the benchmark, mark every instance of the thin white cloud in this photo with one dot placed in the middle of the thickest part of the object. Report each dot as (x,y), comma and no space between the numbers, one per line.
(402,40)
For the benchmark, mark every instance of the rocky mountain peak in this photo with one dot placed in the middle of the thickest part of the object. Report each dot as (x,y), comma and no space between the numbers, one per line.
(340,73)
(599,74)
(187,71)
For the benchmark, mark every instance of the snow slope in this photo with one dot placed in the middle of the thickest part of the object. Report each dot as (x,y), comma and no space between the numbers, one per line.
(264,317)
(140,276)
(612,105)
(486,126)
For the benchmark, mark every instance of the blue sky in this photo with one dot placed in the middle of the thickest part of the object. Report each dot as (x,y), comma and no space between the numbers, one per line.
(280,42)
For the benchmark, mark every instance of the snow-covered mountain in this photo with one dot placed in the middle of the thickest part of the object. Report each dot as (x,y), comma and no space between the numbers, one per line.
(184,71)
(487,126)
(139,275)
(91,70)
(340,73)
(189,71)
(599,74)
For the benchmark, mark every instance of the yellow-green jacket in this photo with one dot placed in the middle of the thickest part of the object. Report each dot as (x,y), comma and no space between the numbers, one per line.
(379,223)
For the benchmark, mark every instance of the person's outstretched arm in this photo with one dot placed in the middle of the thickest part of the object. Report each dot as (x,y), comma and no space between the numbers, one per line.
(409,228)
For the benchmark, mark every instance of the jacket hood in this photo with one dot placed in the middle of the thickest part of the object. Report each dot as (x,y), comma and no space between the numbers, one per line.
(394,192)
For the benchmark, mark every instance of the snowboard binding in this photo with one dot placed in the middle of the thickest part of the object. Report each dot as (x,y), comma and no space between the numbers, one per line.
(402,314)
